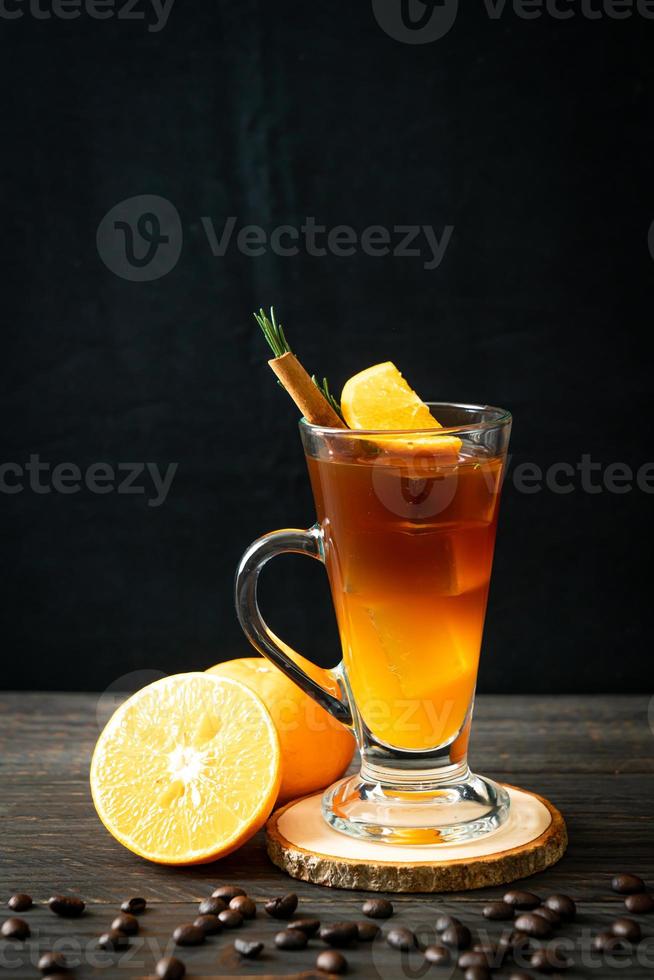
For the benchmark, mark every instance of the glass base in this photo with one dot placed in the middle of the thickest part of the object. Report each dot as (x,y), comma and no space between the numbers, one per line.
(462,808)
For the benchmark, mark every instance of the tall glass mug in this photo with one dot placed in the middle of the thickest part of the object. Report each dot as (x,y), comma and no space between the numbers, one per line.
(406,529)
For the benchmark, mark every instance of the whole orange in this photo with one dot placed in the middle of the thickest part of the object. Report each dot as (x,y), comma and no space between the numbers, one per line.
(315,748)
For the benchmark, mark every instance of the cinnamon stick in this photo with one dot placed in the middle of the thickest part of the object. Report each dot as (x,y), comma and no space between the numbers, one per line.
(306,395)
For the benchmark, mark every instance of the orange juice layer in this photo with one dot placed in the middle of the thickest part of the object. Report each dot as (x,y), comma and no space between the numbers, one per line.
(409,545)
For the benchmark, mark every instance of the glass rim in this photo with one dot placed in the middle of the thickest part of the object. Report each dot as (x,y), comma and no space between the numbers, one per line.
(502,417)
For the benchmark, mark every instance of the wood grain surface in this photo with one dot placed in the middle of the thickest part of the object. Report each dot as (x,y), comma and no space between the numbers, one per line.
(592,757)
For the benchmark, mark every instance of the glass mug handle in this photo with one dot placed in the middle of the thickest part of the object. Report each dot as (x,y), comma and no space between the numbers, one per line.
(290,540)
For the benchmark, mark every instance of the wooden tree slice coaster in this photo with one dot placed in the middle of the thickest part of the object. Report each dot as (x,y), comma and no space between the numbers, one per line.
(302,844)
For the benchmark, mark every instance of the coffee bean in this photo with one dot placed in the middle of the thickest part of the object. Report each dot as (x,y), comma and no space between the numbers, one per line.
(188,934)
(606,942)
(457,936)
(438,955)
(52,963)
(291,939)
(20,902)
(308,926)
(210,924)
(498,911)
(227,892)
(401,938)
(626,884)
(444,922)
(114,939)
(135,906)
(329,961)
(211,906)
(640,903)
(282,908)
(514,940)
(627,929)
(170,968)
(126,923)
(339,933)
(533,925)
(470,958)
(522,900)
(519,975)
(248,950)
(244,905)
(548,960)
(563,905)
(15,928)
(377,908)
(68,906)
(59,976)
(366,931)
(230,918)
(477,973)
(552,917)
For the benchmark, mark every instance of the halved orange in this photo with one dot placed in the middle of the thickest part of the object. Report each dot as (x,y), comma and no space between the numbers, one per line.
(380,398)
(187,769)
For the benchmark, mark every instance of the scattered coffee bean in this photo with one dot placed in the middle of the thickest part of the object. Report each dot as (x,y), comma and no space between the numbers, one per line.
(231,919)
(188,934)
(627,929)
(20,902)
(626,884)
(248,950)
(444,922)
(170,968)
(562,905)
(470,958)
(135,906)
(246,906)
(498,911)
(211,906)
(339,933)
(52,963)
(68,906)
(126,923)
(113,940)
(291,939)
(513,941)
(401,938)
(640,903)
(15,928)
(330,961)
(533,925)
(377,908)
(457,936)
(366,931)
(606,942)
(308,926)
(210,924)
(282,908)
(548,960)
(519,975)
(59,976)
(477,973)
(522,900)
(438,955)
(552,917)
(227,892)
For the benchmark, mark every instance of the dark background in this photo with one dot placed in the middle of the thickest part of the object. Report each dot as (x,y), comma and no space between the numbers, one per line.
(532,138)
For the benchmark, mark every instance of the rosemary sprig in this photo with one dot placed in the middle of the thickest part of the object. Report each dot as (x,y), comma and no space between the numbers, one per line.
(274,334)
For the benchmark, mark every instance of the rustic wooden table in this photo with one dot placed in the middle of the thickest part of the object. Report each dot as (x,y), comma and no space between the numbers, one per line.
(592,756)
